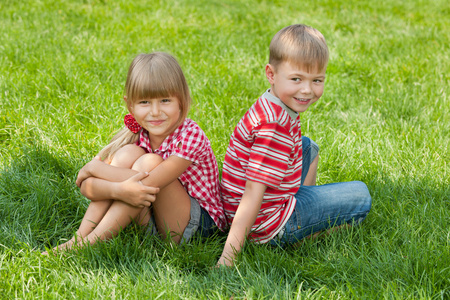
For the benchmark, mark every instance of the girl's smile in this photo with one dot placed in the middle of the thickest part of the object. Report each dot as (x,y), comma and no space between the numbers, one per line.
(159,116)
(156,122)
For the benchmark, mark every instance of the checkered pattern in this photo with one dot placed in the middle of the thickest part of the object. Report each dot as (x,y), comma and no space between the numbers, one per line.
(201,178)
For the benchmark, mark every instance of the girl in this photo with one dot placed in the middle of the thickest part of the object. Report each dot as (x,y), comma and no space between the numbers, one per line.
(159,169)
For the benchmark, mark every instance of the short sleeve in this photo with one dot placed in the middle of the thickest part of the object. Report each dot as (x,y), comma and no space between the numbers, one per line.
(269,154)
(191,144)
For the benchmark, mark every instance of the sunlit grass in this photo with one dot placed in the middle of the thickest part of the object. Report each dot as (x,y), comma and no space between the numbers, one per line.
(384,119)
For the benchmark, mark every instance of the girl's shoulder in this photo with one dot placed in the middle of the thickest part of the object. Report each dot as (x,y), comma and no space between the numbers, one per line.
(190,126)
(190,123)
(191,142)
(191,130)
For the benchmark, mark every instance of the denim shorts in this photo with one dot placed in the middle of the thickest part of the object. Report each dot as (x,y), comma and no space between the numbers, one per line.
(200,223)
(321,207)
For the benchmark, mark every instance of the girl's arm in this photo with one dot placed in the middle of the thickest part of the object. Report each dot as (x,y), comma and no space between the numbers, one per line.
(130,191)
(243,221)
(101,181)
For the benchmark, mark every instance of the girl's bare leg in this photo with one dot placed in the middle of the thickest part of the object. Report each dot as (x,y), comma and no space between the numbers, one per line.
(125,157)
(172,211)
(94,213)
(171,208)
(120,214)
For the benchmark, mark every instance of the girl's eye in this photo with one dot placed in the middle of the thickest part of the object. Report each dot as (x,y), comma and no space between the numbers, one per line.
(165,100)
(143,102)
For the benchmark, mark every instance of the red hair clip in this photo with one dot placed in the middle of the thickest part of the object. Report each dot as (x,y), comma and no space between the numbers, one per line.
(131,123)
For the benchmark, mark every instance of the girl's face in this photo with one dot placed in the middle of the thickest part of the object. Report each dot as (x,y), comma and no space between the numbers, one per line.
(159,116)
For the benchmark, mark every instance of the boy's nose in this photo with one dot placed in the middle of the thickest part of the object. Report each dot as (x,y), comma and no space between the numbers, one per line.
(305,88)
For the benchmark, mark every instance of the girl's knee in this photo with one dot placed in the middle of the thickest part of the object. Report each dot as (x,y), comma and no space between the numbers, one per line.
(147,162)
(126,156)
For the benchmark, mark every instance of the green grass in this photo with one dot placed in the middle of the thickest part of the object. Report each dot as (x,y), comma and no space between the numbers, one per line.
(384,119)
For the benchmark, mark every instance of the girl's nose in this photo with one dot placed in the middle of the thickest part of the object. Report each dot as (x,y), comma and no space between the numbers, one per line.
(154,110)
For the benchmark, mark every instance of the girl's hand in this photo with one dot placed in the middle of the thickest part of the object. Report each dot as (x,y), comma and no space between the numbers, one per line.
(133,192)
(86,171)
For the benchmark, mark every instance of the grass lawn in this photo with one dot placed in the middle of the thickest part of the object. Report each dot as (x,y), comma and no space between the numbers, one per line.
(384,119)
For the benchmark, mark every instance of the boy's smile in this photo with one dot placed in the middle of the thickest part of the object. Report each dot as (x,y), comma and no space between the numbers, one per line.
(295,87)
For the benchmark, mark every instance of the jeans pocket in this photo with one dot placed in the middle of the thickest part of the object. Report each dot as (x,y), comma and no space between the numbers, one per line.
(293,228)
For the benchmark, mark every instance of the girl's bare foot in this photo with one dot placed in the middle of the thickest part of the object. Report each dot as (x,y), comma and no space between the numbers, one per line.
(63,247)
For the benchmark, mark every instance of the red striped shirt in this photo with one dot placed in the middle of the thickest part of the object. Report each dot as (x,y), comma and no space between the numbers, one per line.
(265,147)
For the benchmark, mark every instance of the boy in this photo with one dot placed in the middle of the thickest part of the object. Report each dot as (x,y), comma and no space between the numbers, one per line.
(269,172)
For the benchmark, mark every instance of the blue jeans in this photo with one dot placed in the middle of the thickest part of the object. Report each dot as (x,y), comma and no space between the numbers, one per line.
(200,223)
(324,206)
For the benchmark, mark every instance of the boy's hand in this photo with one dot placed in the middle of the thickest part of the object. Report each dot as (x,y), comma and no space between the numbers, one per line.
(86,171)
(243,221)
(225,261)
(133,192)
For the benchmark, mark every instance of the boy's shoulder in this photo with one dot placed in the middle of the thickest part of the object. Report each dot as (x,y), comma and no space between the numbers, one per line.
(269,109)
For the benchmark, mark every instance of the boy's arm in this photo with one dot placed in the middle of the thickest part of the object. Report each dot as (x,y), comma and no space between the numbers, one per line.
(243,220)
(101,181)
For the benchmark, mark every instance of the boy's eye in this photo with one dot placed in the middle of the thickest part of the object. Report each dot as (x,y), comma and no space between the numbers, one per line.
(296,79)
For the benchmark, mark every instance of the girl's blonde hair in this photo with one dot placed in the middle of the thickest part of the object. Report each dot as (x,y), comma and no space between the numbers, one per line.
(300,45)
(154,75)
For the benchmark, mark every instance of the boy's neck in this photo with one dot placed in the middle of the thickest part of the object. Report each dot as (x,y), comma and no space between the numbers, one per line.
(272,98)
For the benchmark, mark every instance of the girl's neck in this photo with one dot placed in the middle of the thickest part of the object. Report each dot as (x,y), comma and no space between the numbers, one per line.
(156,142)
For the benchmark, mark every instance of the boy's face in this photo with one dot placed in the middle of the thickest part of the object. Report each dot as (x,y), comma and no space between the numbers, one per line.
(294,86)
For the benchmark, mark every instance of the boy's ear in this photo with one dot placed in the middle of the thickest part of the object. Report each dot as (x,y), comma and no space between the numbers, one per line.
(270,72)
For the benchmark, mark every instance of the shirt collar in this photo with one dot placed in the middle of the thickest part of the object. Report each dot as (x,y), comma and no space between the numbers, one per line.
(170,138)
(278,102)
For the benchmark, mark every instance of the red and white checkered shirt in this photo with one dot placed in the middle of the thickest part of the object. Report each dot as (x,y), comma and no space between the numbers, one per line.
(201,178)
(265,147)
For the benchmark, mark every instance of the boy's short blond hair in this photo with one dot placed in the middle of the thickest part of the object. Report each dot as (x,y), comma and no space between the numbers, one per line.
(300,45)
